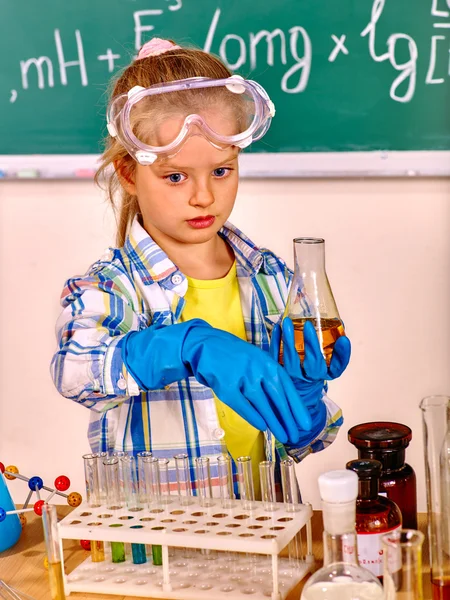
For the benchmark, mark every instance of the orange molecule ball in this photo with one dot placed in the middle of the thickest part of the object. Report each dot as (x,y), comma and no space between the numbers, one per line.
(23,520)
(74,499)
(62,483)
(46,563)
(86,545)
(38,507)
(11,469)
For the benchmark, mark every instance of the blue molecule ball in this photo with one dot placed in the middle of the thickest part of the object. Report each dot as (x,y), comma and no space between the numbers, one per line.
(2,514)
(35,482)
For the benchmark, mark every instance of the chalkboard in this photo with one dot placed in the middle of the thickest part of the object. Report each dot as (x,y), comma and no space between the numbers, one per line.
(345,76)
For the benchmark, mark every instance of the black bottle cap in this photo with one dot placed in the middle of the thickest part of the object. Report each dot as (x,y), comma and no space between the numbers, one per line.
(365,468)
(380,435)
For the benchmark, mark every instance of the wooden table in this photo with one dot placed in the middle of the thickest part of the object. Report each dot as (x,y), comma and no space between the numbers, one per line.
(22,566)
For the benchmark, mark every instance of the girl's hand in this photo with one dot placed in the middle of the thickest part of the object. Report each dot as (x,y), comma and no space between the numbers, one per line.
(308,377)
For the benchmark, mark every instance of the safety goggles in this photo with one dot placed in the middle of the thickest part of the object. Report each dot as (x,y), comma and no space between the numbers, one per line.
(155,122)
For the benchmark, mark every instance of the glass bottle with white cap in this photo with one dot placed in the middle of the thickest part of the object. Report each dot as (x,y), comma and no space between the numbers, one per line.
(341,577)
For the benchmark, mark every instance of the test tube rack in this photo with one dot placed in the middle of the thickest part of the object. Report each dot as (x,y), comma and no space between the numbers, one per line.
(208,552)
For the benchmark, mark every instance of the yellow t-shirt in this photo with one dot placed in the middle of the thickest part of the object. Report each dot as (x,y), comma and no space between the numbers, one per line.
(217,301)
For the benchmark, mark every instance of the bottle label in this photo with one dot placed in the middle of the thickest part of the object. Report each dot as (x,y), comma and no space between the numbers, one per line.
(370,551)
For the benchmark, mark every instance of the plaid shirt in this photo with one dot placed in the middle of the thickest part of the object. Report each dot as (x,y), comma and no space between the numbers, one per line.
(136,286)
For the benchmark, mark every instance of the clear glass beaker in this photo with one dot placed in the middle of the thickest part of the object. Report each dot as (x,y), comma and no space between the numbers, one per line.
(436,421)
(402,557)
(311,299)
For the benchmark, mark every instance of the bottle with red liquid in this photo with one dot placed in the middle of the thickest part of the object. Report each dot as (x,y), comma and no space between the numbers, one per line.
(387,442)
(375,515)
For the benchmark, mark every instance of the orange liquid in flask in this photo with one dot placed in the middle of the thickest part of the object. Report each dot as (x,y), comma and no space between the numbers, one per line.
(332,329)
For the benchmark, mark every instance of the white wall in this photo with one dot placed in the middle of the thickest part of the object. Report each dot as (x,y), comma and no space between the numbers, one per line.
(388,260)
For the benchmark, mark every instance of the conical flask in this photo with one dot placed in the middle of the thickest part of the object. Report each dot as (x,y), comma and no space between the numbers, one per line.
(311,299)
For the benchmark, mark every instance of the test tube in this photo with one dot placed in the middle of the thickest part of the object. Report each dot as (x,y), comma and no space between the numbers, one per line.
(245,481)
(111,466)
(132,501)
(225,481)
(183,479)
(120,454)
(141,476)
(91,476)
(164,480)
(152,483)
(203,477)
(292,500)
(102,477)
(52,545)
(267,480)
(153,492)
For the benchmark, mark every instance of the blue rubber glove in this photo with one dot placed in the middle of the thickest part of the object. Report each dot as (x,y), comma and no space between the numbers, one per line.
(242,375)
(309,376)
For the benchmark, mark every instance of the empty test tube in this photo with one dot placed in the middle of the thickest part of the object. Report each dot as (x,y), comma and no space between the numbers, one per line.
(152,483)
(102,477)
(225,481)
(164,480)
(49,522)
(203,479)
(111,466)
(183,479)
(141,476)
(120,455)
(267,480)
(132,502)
(245,481)
(292,500)
(91,476)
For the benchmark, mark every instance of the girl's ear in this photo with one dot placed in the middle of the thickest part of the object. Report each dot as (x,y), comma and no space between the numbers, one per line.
(125,175)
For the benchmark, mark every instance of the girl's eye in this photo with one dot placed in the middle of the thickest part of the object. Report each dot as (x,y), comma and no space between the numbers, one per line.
(221,172)
(174,178)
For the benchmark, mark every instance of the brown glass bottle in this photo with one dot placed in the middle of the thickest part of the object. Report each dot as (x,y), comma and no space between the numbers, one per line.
(387,442)
(375,515)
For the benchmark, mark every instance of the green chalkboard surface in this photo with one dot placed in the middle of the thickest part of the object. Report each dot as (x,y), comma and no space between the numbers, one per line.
(345,75)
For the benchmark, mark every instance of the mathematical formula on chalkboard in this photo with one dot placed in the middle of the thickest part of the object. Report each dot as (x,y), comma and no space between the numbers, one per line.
(293,49)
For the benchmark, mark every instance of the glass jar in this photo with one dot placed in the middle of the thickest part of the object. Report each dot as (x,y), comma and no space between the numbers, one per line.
(375,515)
(386,441)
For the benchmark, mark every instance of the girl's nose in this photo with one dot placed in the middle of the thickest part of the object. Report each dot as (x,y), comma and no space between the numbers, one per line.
(202,197)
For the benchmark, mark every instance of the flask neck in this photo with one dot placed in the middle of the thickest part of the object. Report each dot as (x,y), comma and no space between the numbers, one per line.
(309,256)
(341,547)
(339,536)
(368,489)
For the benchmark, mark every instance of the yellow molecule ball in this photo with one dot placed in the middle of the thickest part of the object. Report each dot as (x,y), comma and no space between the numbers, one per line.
(23,520)
(11,469)
(74,499)
(45,563)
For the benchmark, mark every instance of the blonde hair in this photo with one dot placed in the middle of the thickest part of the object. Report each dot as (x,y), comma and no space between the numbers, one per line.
(170,66)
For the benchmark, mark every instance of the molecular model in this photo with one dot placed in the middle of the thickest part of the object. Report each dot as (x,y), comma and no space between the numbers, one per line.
(35,483)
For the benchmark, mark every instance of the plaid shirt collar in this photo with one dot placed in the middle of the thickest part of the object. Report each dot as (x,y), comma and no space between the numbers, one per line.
(155,266)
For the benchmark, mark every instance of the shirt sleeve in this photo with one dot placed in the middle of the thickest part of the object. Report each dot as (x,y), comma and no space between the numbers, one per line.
(97,314)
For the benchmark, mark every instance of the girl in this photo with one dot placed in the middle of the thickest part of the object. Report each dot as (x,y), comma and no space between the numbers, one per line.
(166,340)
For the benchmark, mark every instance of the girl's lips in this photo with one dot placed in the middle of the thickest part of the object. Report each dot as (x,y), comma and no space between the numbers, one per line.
(202,222)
